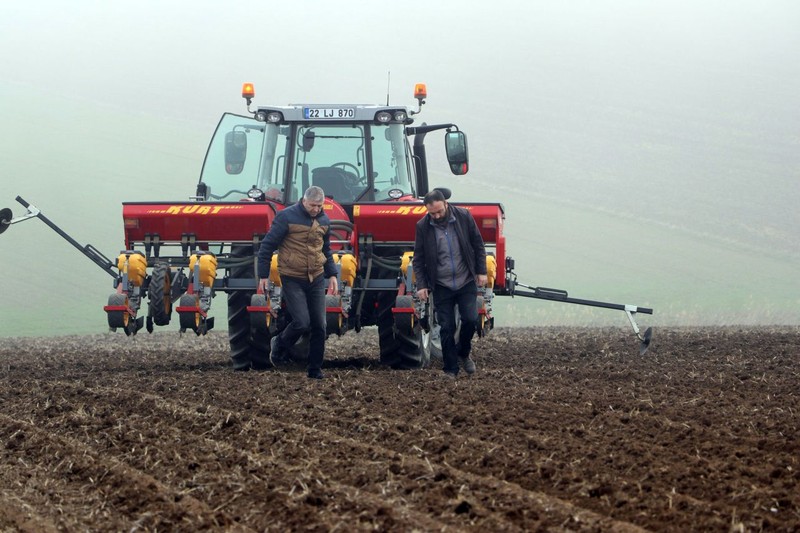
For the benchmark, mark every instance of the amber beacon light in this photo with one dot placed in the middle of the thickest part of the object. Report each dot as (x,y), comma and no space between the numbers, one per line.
(248,92)
(420,91)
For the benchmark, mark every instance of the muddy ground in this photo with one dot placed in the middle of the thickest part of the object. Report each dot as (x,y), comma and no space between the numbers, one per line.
(560,430)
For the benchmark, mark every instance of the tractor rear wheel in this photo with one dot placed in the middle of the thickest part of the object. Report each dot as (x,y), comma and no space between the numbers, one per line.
(160,292)
(249,346)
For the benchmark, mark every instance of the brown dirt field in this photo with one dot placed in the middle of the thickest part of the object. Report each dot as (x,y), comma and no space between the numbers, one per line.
(561,429)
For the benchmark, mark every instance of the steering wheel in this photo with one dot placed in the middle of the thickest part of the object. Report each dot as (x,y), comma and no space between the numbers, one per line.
(355,176)
(216,197)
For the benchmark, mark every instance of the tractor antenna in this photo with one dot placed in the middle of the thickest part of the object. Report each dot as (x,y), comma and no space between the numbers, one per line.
(388,84)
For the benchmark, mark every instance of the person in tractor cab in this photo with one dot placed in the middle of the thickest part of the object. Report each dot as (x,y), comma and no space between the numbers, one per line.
(300,233)
(450,262)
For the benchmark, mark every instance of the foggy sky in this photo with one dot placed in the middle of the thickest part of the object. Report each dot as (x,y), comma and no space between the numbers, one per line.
(181,56)
(676,116)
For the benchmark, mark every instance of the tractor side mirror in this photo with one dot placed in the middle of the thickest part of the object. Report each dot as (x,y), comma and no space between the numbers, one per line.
(455,144)
(308,141)
(235,151)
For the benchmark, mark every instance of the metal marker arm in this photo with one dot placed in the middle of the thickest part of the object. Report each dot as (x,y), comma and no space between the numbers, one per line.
(89,251)
(559,295)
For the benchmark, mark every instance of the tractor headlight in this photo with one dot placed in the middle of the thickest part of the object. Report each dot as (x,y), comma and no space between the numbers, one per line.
(391,115)
(272,117)
(256,194)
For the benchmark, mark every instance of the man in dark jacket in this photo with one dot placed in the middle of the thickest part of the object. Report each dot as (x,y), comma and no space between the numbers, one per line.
(450,262)
(300,233)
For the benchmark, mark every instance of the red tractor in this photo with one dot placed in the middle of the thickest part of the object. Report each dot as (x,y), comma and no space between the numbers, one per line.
(371,162)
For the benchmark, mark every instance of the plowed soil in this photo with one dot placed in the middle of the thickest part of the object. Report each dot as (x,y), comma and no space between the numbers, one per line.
(559,430)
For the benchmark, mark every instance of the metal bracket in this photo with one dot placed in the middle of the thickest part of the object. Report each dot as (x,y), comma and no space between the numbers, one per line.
(645,339)
(6,220)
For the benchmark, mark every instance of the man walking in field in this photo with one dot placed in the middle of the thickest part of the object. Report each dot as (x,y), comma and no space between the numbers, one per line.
(450,262)
(300,233)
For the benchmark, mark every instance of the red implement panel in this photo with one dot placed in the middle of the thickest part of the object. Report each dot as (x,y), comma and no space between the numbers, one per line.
(208,222)
(394,221)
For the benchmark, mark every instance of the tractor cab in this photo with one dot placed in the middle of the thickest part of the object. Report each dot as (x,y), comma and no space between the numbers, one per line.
(352,159)
(355,153)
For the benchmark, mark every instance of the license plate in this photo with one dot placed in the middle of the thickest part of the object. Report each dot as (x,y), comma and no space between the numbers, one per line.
(328,113)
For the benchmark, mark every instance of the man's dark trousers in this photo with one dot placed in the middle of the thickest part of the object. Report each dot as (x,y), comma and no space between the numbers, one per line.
(445,301)
(306,304)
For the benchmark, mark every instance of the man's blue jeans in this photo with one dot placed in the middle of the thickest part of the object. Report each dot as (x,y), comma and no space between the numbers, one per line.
(445,301)
(305,301)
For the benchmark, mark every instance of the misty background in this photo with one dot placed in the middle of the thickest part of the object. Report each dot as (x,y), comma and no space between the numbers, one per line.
(646,153)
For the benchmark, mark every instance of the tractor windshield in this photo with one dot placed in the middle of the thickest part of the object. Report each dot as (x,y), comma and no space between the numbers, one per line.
(392,168)
(245,154)
(354,162)
(351,162)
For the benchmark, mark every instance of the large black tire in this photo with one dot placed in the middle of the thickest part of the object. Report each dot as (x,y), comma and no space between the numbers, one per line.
(413,343)
(160,294)
(249,347)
